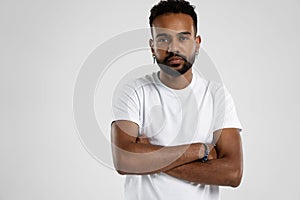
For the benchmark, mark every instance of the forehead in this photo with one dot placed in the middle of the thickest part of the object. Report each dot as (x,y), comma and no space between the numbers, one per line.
(172,22)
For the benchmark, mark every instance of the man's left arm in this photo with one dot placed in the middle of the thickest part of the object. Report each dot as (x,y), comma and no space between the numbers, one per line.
(226,170)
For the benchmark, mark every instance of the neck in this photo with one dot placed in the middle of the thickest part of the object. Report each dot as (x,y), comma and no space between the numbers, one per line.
(178,82)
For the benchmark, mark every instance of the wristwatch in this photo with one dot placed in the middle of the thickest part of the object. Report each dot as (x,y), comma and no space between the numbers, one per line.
(206,153)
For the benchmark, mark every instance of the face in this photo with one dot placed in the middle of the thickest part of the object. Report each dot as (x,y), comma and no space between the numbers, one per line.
(174,43)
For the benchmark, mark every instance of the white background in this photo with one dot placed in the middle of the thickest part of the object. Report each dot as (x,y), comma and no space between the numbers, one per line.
(43,44)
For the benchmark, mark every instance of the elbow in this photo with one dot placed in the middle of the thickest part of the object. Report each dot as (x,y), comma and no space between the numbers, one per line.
(121,172)
(235,177)
(119,162)
(124,164)
(120,166)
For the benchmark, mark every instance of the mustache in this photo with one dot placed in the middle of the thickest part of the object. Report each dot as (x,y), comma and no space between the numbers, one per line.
(172,54)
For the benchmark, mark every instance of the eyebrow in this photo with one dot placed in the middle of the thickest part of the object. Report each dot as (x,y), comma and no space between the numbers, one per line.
(184,33)
(162,35)
(166,35)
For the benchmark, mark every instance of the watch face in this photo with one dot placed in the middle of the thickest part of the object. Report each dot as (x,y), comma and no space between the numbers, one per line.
(206,153)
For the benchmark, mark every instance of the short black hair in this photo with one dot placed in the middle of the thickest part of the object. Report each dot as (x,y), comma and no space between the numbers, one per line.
(173,6)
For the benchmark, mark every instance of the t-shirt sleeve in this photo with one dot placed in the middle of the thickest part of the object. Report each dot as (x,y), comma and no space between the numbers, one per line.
(225,115)
(125,105)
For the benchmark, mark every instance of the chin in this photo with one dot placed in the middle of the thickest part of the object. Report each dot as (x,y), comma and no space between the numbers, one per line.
(170,71)
(175,69)
(176,66)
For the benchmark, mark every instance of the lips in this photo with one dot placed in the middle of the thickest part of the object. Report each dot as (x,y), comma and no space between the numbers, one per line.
(175,60)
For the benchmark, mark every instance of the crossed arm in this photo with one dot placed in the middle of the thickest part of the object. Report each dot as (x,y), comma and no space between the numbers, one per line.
(134,155)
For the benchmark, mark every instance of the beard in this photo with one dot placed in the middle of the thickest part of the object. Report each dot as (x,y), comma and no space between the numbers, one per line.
(168,68)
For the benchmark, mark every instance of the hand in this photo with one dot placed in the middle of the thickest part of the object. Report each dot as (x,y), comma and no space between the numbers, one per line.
(143,140)
(213,153)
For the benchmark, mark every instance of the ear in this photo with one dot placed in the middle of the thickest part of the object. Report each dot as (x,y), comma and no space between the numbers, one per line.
(198,41)
(151,44)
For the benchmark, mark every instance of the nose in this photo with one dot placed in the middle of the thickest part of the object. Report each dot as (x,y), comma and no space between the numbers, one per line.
(173,46)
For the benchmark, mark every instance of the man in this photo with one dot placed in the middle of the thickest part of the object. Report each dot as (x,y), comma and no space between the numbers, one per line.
(174,134)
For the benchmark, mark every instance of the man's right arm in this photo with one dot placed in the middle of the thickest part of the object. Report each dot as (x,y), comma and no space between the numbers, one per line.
(132,157)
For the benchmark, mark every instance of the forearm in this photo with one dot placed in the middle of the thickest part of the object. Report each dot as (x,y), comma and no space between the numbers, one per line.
(138,158)
(135,155)
(221,171)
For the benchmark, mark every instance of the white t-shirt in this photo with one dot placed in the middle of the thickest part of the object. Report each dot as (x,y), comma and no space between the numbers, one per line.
(172,117)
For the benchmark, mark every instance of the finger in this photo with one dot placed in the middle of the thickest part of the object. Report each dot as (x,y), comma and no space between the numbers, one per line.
(143,139)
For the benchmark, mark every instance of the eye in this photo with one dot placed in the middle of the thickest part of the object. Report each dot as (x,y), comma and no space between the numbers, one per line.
(162,40)
(183,38)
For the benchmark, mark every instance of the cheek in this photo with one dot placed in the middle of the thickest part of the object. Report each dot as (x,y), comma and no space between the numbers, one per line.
(191,51)
(160,49)
(192,47)
(160,53)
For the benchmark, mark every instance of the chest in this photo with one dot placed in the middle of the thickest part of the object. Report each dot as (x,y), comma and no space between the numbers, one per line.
(171,119)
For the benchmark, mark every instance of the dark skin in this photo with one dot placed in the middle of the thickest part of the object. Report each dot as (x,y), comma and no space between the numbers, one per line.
(136,155)
(223,163)
(174,33)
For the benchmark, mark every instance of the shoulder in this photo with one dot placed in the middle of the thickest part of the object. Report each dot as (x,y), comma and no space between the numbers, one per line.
(141,83)
(216,88)
(136,85)
(213,87)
